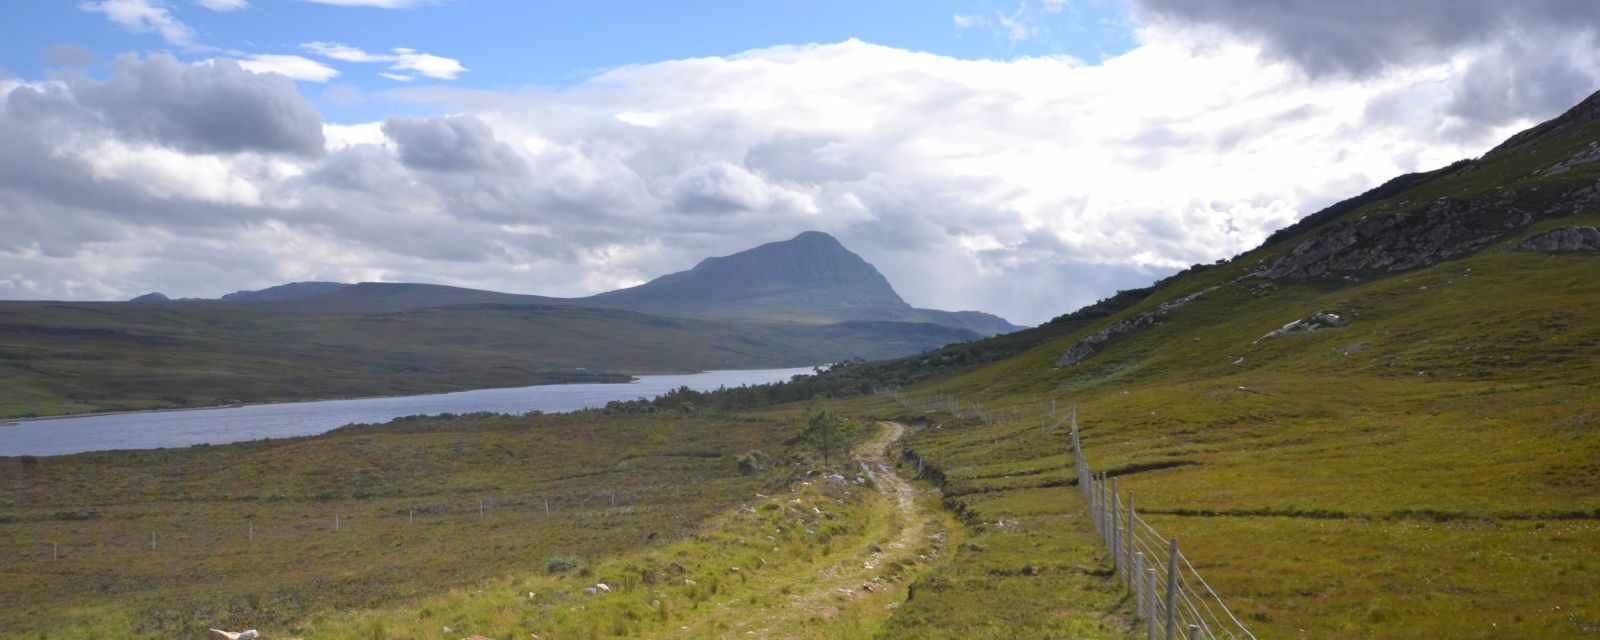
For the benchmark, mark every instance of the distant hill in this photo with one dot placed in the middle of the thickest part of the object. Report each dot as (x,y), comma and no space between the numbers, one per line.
(810,279)
(380,297)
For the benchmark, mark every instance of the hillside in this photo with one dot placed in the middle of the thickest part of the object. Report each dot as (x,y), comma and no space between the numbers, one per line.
(77,357)
(1381,423)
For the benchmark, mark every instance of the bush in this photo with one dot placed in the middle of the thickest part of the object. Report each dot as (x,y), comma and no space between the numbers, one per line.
(753,462)
(563,564)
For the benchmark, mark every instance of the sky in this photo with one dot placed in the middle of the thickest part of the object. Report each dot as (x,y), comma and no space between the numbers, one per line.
(1022,158)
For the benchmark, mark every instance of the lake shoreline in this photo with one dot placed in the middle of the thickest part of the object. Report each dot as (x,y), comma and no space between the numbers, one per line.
(632,377)
(174,428)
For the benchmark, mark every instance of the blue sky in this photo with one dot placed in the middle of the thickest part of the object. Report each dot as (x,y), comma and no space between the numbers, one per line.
(507,45)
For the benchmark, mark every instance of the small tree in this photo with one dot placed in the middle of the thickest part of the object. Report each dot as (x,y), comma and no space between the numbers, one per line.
(828,433)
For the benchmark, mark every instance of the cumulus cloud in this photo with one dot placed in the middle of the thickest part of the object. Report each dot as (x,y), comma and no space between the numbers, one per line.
(217,107)
(399,59)
(1026,187)
(454,143)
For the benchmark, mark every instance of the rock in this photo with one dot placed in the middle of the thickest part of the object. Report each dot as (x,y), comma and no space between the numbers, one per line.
(591,591)
(1564,240)
(1090,345)
(1314,322)
(603,587)
(247,634)
(1591,154)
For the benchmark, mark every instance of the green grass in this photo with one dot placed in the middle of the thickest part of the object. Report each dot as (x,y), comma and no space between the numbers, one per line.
(1426,471)
(669,474)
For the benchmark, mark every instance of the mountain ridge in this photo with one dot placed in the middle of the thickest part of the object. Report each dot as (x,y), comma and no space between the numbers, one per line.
(811,278)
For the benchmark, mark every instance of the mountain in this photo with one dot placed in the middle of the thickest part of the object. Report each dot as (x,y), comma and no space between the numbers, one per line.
(154,297)
(809,279)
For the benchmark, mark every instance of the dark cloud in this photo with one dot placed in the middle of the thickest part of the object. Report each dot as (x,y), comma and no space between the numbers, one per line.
(1366,36)
(69,55)
(1530,59)
(205,108)
(451,143)
(1518,79)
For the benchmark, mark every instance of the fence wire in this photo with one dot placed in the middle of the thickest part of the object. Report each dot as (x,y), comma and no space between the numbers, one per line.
(1172,600)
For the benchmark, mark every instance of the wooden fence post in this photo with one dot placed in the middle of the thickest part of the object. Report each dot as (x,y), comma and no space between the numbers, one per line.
(1138,584)
(1132,520)
(411,518)
(55,551)
(252,533)
(1172,587)
(1194,632)
(1150,620)
(335,522)
(1116,531)
(152,541)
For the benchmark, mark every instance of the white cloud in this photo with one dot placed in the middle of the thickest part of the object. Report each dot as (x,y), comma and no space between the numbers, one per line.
(223,5)
(427,64)
(400,59)
(143,16)
(1026,186)
(296,67)
(397,77)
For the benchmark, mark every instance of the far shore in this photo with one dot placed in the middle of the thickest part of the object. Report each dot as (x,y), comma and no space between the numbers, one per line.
(632,377)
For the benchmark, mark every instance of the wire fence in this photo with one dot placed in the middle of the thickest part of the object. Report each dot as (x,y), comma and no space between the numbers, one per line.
(1172,600)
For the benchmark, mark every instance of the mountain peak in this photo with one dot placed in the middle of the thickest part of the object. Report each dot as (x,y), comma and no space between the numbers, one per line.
(811,277)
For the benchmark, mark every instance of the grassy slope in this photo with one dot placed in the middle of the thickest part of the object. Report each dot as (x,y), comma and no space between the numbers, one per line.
(1439,480)
(669,475)
(73,357)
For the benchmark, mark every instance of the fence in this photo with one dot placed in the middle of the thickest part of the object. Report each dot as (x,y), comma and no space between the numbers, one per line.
(1171,599)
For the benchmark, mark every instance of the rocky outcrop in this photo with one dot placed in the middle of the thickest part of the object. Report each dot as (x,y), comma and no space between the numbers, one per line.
(1564,240)
(1092,344)
(1314,322)
(1418,237)
(1591,154)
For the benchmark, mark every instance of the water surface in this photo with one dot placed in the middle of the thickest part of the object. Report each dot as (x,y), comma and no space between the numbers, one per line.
(154,429)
